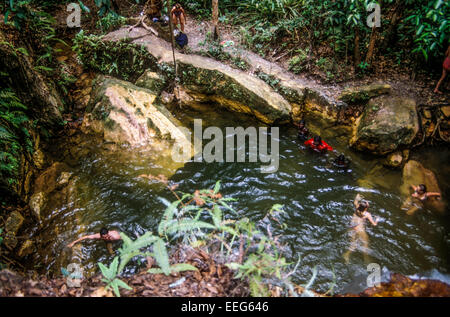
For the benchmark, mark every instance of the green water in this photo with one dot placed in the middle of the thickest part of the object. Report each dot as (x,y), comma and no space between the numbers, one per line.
(317,199)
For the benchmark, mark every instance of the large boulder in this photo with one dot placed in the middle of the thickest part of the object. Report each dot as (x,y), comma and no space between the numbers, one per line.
(415,173)
(123,113)
(386,124)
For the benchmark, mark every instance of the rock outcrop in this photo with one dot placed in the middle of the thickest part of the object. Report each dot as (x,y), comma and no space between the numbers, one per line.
(387,124)
(123,113)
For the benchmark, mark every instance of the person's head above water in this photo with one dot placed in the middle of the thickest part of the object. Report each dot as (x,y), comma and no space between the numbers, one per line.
(341,158)
(362,207)
(317,140)
(104,232)
(302,123)
(421,189)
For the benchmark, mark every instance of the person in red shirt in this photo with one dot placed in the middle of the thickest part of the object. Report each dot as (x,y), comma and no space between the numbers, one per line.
(318,145)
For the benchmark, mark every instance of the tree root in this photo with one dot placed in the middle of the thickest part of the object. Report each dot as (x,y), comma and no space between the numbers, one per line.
(144,25)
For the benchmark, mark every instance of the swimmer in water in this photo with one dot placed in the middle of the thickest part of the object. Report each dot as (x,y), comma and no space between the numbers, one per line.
(303,132)
(358,230)
(318,145)
(341,162)
(418,198)
(104,235)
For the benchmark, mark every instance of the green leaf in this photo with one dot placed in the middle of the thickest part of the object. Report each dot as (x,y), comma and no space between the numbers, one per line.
(188,225)
(161,256)
(181,267)
(217,187)
(122,284)
(217,216)
(105,271)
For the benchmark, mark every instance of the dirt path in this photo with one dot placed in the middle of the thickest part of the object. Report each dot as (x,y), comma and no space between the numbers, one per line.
(421,89)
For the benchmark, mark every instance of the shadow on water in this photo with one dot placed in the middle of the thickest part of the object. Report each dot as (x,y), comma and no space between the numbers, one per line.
(317,199)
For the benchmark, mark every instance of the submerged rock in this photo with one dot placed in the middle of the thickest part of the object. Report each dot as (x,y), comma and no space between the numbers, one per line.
(362,94)
(386,124)
(394,159)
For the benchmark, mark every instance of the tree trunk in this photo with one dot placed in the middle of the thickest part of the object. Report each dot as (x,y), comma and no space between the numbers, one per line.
(372,42)
(215,18)
(391,32)
(357,54)
(115,6)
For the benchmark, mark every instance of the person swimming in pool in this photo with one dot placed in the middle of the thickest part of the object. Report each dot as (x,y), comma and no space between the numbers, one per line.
(357,230)
(418,198)
(318,145)
(303,132)
(341,162)
(104,234)
(178,16)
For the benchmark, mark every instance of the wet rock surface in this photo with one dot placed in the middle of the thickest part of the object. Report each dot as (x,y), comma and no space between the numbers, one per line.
(386,124)
(123,113)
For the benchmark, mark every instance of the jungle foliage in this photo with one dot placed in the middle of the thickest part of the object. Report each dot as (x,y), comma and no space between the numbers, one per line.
(417,28)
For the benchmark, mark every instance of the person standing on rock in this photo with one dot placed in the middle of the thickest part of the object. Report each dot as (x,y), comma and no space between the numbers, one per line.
(358,230)
(104,235)
(445,70)
(178,16)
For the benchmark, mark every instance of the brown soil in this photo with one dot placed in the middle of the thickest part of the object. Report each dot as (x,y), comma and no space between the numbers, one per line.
(211,280)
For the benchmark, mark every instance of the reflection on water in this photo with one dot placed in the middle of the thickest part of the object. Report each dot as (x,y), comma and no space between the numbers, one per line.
(317,200)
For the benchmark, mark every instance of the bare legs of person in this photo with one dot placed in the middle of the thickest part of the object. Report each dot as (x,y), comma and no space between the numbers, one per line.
(178,20)
(444,74)
(410,206)
(358,236)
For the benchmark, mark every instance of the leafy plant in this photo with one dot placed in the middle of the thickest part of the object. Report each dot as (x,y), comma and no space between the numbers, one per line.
(110,277)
